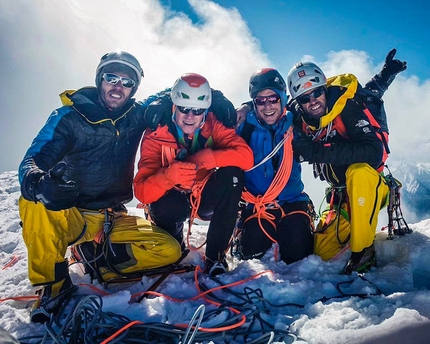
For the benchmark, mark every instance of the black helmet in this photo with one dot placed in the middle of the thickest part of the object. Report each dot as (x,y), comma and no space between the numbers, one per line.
(120,60)
(266,78)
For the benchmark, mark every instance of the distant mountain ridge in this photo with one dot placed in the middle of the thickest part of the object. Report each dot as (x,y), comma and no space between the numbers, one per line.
(415,192)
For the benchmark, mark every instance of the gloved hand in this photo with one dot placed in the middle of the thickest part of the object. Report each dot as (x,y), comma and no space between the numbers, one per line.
(54,191)
(223,109)
(242,111)
(294,107)
(181,173)
(391,67)
(204,159)
(303,147)
(159,112)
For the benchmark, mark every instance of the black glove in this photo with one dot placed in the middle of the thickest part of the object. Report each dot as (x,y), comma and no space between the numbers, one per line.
(159,112)
(295,108)
(223,109)
(391,67)
(303,147)
(54,192)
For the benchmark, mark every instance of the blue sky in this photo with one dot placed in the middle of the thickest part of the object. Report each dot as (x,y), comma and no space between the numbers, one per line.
(51,46)
(289,29)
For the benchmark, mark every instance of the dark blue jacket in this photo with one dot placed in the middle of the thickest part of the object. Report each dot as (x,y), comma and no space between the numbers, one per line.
(98,147)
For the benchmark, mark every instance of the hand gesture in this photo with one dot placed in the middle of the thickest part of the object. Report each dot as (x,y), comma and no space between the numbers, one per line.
(54,191)
(392,67)
(181,173)
(159,112)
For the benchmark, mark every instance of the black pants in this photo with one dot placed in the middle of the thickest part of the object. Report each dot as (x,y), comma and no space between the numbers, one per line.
(292,232)
(219,205)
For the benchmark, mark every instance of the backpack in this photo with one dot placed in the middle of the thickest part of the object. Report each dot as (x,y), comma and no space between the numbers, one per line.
(376,119)
(372,105)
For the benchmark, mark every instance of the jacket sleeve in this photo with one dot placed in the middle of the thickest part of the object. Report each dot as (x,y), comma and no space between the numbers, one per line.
(150,182)
(46,150)
(229,148)
(362,144)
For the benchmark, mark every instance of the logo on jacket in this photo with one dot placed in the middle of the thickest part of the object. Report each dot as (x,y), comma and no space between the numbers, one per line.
(362,123)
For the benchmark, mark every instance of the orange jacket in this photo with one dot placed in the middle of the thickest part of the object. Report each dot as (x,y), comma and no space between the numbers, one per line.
(159,148)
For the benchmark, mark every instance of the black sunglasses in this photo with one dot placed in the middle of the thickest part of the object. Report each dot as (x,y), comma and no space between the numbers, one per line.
(195,111)
(314,94)
(113,80)
(273,99)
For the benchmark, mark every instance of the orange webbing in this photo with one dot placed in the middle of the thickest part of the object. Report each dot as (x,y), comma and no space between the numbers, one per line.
(168,154)
(262,202)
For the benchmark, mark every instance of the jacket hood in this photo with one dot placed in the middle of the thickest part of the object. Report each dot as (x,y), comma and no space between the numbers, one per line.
(340,89)
(86,101)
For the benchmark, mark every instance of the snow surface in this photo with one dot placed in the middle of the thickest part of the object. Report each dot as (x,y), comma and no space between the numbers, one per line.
(304,298)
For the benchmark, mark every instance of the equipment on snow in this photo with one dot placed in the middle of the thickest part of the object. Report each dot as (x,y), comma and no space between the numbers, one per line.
(396,223)
(169,270)
(50,301)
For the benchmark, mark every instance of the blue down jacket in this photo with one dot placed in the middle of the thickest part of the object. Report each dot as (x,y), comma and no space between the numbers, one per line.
(98,147)
(262,141)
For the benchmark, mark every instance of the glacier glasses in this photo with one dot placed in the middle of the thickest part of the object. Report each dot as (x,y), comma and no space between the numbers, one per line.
(113,80)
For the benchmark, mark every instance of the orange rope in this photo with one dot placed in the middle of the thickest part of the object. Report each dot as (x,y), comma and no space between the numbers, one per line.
(130,324)
(19,298)
(200,295)
(195,199)
(262,202)
(12,260)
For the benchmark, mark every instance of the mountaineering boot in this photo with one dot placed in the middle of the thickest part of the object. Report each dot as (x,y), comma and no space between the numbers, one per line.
(51,299)
(214,268)
(361,261)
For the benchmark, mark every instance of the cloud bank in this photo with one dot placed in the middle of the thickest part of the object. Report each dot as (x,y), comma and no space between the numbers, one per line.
(49,46)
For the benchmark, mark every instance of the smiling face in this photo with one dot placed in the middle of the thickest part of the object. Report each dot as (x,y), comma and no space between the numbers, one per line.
(115,96)
(270,109)
(315,102)
(188,122)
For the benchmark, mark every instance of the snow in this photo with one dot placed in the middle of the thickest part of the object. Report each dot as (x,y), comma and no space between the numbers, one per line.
(310,299)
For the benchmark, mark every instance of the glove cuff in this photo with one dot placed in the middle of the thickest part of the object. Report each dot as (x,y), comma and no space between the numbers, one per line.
(162,181)
(29,185)
(383,80)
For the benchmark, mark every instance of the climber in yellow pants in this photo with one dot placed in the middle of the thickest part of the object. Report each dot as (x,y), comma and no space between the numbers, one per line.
(358,217)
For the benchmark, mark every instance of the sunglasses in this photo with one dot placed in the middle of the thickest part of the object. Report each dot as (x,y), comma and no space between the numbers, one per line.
(315,94)
(195,111)
(273,99)
(113,80)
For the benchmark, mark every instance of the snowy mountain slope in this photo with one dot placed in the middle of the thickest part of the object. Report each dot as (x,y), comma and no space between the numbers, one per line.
(416,187)
(392,306)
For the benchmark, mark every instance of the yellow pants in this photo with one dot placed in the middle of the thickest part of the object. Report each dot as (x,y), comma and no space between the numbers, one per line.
(367,195)
(47,234)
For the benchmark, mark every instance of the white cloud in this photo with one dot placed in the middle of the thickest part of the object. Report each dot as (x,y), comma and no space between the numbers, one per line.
(52,46)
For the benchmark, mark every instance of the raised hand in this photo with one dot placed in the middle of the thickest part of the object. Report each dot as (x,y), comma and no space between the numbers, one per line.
(392,66)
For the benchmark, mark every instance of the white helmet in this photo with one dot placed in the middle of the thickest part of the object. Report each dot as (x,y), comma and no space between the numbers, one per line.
(303,77)
(192,90)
